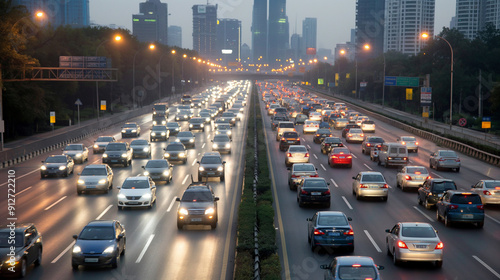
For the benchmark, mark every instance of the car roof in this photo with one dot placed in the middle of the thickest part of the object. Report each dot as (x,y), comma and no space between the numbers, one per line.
(211,154)
(349,260)
(331,213)
(95,166)
(145,178)
(101,223)
(453,192)
(369,172)
(415,224)
(440,180)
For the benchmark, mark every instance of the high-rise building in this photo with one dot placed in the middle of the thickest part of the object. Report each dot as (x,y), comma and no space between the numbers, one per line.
(473,15)
(151,24)
(296,46)
(309,33)
(246,54)
(174,36)
(259,31)
(370,27)
(278,36)
(205,30)
(405,21)
(228,41)
(61,12)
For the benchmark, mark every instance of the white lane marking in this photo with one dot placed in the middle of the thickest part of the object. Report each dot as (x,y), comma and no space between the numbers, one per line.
(171,204)
(203,146)
(200,153)
(23,190)
(145,249)
(367,166)
(208,137)
(36,170)
(437,175)
(185,179)
(487,266)
(373,241)
(335,184)
(194,162)
(347,202)
(104,212)
(495,220)
(315,156)
(308,146)
(304,140)
(322,166)
(63,252)
(354,156)
(53,204)
(425,215)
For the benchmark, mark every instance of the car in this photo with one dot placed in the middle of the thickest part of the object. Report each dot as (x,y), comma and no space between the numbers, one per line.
(289,138)
(298,172)
(131,129)
(352,267)
(211,165)
(321,134)
(196,102)
(300,119)
(173,128)
(280,110)
(340,156)
(296,154)
(355,135)
(140,148)
(159,133)
(414,241)
(329,143)
(352,116)
(360,119)
(340,123)
(324,125)
(284,127)
(392,153)
(310,126)
(186,99)
(158,170)
(57,165)
(159,120)
(432,190)
(270,111)
(198,206)
(411,177)
(460,207)
(314,191)
(236,112)
(160,109)
(197,124)
(488,190)
(20,245)
(224,129)
(220,120)
(207,117)
(276,119)
(175,151)
(347,128)
(315,116)
(330,229)
(221,143)
(368,126)
(230,116)
(370,142)
(374,151)
(100,243)
(187,138)
(370,184)
(445,159)
(183,115)
(101,142)
(410,142)
(95,177)
(78,152)
(138,191)
(119,153)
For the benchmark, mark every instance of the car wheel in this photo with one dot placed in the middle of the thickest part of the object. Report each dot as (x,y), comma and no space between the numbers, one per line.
(447,221)
(349,166)
(222,178)
(313,247)
(308,238)
(74,266)
(213,225)
(114,264)
(419,200)
(480,224)
(384,198)
(438,218)
(438,264)
(38,260)
(124,247)
(457,169)
(301,204)
(66,174)
(379,163)
(358,197)
(388,251)
(22,272)
(426,204)
(394,258)
(180,226)
(327,205)
(350,249)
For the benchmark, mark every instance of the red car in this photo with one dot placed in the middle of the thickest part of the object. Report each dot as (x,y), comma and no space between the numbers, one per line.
(340,156)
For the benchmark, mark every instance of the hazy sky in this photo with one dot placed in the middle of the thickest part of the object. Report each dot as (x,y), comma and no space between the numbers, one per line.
(335,17)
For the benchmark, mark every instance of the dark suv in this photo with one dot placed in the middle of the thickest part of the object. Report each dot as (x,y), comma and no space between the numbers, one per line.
(347,127)
(432,190)
(118,152)
(289,138)
(211,165)
(198,206)
(462,207)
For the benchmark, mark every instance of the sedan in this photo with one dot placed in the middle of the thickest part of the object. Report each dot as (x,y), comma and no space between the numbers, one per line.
(131,129)
(300,119)
(183,115)
(224,129)
(445,159)
(329,143)
(330,229)
(159,170)
(410,142)
(289,138)
(175,151)
(173,128)
(187,138)
(368,126)
(296,154)
(298,172)
(211,165)
(139,191)
(352,267)
(488,190)
(100,243)
(60,165)
(78,152)
(355,135)
(340,123)
(197,124)
(347,127)
(340,156)
(314,191)
(370,184)
(221,143)
(207,117)
(321,134)
(310,126)
(159,132)
(140,148)
(414,242)
(370,142)
(315,116)
(101,142)
(411,177)
(95,177)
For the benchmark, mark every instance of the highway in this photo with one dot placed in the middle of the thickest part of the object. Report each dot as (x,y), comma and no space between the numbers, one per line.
(155,247)
(469,253)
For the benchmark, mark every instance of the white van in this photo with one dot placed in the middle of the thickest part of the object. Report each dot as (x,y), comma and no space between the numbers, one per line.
(392,154)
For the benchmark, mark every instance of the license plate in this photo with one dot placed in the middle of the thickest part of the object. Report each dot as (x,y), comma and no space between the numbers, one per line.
(91,260)
(133,202)
(397,158)
(341,157)
(91,187)
(195,219)
(334,233)
(211,173)
(114,160)
(290,141)
(420,246)
(155,177)
(315,193)
(467,216)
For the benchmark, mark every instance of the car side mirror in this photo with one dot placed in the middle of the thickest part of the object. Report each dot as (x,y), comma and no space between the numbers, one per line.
(216,198)
(75,236)
(380,267)
(324,266)
(349,219)
(198,162)
(143,167)
(118,187)
(43,161)
(120,236)
(354,178)
(308,219)
(420,186)
(387,230)
(223,162)
(177,199)
(78,174)
(328,183)
(212,141)
(470,186)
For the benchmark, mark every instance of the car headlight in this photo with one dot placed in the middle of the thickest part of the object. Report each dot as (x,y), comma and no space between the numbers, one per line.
(146,149)
(220,168)
(166,173)
(146,173)
(121,196)
(43,167)
(177,129)
(163,122)
(215,146)
(201,168)
(77,249)
(96,146)
(62,167)
(102,182)
(153,134)
(134,130)
(202,125)
(183,211)
(207,119)
(229,132)
(146,196)
(123,131)
(228,145)
(104,155)
(163,133)
(109,250)
(217,132)
(124,155)
(191,140)
(209,211)
(185,116)
(80,182)
(182,154)
(166,155)
(190,125)
(78,155)
(177,140)
(233,119)
(154,122)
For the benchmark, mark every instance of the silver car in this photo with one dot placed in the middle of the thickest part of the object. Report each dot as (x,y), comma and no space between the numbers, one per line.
(158,170)
(410,142)
(414,242)
(95,177)
(298,172)
(140,148)
(224,129)
(445,159)
(370,184)
(221,143)
(411,177)
(355,135)
(340,123)
(101,142)
(488,190)
(78,152)
(296,154)
(187,138)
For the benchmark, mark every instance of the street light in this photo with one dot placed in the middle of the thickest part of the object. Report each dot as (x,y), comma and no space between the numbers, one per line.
(117,38)
(151,47)
(426,36)
(173,72)
(366,47)
(182,73)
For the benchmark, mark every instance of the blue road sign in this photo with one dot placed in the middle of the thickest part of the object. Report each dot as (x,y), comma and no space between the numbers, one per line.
(390,81)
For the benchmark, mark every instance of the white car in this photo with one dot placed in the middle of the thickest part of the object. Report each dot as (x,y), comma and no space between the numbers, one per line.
(315,116)
(368,126)
(137,191)
(310,126)
(410,142)
(95,177)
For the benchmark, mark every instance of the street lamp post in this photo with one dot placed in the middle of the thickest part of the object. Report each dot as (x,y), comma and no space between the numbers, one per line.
(173,72)
(182,73)
(365,47)
(117,39)
(383,84)
(151,47)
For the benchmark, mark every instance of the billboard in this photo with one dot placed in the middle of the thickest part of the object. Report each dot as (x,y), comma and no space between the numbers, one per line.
(311,51)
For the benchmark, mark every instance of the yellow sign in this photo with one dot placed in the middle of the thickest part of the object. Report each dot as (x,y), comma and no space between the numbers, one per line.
(409,94)
(52,117)
(320,81)
(103,105)
(337,79)
(353,92)
(425,114)
(486,125)
(348,75)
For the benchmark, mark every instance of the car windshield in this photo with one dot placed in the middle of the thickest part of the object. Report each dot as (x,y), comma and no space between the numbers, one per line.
(97,233)
(175,147)
(293,149)
(159,107)
(303,167)
(185,134)
(172,125)
(156,164)
(286,125)
(184,112)
(197,196)
(73,148)
(332,220)
(443,186)
(465,199)
(341,151)
(196,121)
(357,272)
(417,170)
(409,139)
(375,140)
(333,140)
(89,171)
(5,240)
(314,184)
(373,178)
(323,131)
(205,114)
(223,127)
(418,231)
(104,139)
(57,159)
(135,184)
(138,142)
(355,130)
(448,154)
(290,135)
(115,147)
(221,138)
(211,160)
(159,128)
(130,125)
(492,185)
(341,120)
(368,122)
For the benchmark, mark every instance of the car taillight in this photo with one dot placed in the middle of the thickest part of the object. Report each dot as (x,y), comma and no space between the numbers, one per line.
(442,159)
(349,232)
(486,193)
(315,175)
(362,135)
(349,156)
(327,192)
(401,244)
(306,155)
(295,176)
(288,154)
(404,143)
(318,232)
(317,135)
(453,206)
(363,186)
(404,158)
(457,160)
(368,144)
(304,192)
(440,245)
(416,143)
(334,157)
(349,135)
(385,186)
(407,177)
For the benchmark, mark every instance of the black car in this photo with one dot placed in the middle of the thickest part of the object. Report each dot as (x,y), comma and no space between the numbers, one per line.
(433,189)
(186,99)
(369,142)
(159,120)
(289,138)
(197,124)
(347,127)
(28,247)
(198,206)
(173,128)
(100,243)
(60,165)
(321,134)
(118,153)
(159,170)
(314,191)
(175,151)
(329,143)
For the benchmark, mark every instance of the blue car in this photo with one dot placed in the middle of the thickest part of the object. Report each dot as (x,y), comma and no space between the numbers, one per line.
(460,207)
(330,229)
(352,267)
